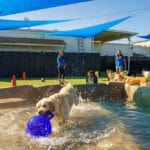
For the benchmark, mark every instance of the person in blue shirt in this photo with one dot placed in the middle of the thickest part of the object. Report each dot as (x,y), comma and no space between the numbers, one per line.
(61,66)
(120,62)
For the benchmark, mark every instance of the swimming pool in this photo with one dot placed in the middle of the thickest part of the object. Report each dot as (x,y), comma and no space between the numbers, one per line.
(135,118)
(94,126)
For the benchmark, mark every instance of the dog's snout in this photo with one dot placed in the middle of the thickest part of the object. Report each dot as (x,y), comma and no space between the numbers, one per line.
(40,112)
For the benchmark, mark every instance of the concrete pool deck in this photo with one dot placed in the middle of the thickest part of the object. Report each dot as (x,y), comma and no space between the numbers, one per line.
(113,91)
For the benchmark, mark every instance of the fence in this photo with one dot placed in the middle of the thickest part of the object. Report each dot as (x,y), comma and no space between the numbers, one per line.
(44,64)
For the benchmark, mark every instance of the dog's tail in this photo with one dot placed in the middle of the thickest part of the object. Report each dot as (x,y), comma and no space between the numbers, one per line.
(124,73)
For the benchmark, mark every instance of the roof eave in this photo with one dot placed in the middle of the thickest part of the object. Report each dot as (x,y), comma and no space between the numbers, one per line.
(112,35)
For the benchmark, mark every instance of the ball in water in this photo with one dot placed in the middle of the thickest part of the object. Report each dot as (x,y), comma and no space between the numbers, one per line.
(38,126)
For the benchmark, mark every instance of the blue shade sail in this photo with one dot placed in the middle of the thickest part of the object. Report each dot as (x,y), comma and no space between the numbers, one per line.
(15,24)
(8,7)
(88,31)
(145,37)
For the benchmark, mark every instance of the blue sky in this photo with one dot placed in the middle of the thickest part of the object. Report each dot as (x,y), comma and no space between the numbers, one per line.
(105,10)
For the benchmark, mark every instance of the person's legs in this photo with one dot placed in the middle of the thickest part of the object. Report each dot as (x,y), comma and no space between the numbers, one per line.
(59,75)
(120,68)
(63,74)
(117,69)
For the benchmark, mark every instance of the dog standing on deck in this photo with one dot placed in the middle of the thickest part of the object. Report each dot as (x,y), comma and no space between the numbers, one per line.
(92,77)
(122,76)
(116,77)
(141,81)
(60,103)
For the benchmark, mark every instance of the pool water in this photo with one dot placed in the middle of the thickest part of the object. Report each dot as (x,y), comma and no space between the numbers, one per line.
(91,126)
(135,118)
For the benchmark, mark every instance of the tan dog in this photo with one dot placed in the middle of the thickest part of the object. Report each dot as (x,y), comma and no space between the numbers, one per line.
(146,74)
(113,76)
(97,74)
(141,81)
(60,103)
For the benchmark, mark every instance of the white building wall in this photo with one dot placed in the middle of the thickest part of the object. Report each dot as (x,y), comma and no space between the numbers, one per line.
(145,43)
(72,42)
(109,49)
(142,47)
(145,51)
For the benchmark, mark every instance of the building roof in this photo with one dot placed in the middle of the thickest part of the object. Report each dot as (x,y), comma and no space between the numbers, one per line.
(106,36)
(112,35)
(30,41)
(145,43)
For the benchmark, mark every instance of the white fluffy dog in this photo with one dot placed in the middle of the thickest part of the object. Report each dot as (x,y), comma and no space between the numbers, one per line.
(60,103)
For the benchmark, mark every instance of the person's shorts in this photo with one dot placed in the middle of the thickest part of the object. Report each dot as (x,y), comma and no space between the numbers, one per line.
(119,69)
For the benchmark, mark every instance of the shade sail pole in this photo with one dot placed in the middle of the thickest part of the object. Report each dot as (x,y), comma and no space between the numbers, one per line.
(129,53)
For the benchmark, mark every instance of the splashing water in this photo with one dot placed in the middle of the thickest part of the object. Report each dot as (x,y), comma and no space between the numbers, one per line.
(90,126)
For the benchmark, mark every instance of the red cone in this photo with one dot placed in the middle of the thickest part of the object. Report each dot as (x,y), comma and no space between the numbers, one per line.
(24,76)
(14,80)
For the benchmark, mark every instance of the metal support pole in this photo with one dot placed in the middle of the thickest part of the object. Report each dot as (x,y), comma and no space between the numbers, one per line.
(92,42)
(129,53)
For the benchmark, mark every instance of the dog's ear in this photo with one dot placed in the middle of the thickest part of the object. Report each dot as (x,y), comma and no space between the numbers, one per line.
(51,106)
(38,104)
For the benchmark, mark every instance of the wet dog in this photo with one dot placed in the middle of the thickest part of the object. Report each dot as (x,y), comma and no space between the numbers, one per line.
(60,103)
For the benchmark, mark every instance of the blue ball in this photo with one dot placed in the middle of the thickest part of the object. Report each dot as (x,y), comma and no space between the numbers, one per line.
(38,126)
